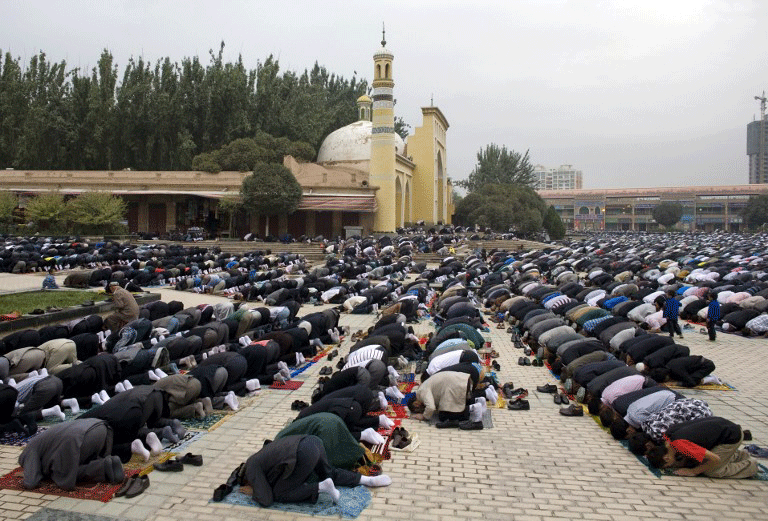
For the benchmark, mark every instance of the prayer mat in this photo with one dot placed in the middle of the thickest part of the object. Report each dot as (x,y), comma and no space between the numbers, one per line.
(209,423)
(487,419)
(415,442)
(188,439)
(18,440)
(137,465)
(351,504)
(549,367)
(103,492)
(290,385)
(501,402)
(47,514)
(703,387)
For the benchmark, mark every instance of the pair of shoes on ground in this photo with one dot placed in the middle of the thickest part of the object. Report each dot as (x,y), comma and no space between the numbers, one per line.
(523,360)
(518,404)
(298,405)
(495,366)
(572,410)
(234,479)
(177,464)
(332,355)
(537,362)
(133,486)
(561,399)
(400,438)
(326,370)
(340,363)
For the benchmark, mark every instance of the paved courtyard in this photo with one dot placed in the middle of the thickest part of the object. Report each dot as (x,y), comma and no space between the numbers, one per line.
(532,465)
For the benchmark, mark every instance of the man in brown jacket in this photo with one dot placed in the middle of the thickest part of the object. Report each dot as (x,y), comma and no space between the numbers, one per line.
(125,308)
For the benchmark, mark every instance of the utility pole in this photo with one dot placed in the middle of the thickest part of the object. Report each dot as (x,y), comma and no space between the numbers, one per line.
(761,177)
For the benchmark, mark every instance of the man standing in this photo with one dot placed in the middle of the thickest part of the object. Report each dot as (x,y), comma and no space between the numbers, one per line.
(671,310)
(713,315)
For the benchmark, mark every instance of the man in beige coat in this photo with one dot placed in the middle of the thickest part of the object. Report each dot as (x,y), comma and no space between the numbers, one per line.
(449,394)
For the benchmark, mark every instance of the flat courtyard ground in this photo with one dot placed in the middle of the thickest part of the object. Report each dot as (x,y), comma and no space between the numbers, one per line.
(532,465)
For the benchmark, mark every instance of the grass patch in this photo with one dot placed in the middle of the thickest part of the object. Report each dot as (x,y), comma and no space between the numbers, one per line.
(26,302)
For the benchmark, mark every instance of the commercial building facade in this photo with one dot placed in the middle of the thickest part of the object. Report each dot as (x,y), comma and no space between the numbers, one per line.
(705,208)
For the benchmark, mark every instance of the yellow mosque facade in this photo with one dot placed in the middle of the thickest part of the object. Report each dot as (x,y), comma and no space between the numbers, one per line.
(407,179)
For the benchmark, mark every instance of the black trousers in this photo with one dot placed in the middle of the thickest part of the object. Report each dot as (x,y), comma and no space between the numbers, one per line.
(711,329)
(311,457)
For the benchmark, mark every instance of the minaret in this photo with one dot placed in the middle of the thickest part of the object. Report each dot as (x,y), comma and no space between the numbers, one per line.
(382,168)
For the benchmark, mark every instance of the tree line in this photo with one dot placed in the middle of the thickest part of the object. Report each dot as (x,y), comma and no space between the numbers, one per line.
(161,116)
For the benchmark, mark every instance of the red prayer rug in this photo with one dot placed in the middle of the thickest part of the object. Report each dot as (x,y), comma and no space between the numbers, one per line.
(103,492)
(290,385)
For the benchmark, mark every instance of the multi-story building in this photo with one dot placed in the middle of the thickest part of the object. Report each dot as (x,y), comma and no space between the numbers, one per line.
(565,177)
(757,173)
(705,208)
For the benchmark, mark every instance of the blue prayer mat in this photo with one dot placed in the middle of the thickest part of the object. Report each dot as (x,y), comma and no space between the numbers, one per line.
(353,501)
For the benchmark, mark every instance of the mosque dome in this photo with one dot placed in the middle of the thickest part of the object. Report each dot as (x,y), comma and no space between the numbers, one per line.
(352,143)
(364,99)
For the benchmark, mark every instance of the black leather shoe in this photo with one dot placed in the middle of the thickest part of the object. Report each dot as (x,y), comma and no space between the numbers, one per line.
(448,424)
(526,361)
(471,426)
(192,459)
(557,399)
(172,465)
(564,399)
(519,405)
(572,410)
(549,388)
(126,485)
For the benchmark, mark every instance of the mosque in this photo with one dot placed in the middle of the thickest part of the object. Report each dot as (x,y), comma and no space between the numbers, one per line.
(367,179)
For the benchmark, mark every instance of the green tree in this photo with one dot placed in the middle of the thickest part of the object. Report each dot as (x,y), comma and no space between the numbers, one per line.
(497,165)
(97,213)
(755,213)
(270,189)
(553,224)
(503,207)
(667,214)
(47,211)
(232,206)
(401,127)
(8,203)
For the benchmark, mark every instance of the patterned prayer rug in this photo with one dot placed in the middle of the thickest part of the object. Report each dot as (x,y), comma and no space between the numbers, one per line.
(103,492)
(52,514)
(188,439)
(209,423)
(18,440)
(290,385)
(351,504)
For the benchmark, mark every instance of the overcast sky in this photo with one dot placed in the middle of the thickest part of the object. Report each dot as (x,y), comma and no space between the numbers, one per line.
(633,93)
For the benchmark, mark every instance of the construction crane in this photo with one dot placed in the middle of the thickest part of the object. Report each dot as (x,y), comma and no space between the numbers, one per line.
(761,177)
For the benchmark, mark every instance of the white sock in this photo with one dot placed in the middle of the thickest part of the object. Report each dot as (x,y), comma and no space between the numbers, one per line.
(475,412)
(155,447)
(253,384)
(231,401)
(282,365)
(383,400)
(279,378)
(154,377)
(104,396)
(317,342)
(153,341)
(371,436)
(285,373)
(53,411)
(491,395)
(97,399)
(205,356)
(138,448)
(482,402)
(301,358)
(334,336)
(119,387)
(376,481)
(394,392)
(160,373)
(32,373)
(72,404)
(127,385)
(385,422)
(43,372)
(244,340)
(328,487)
(298,358)
(393,372)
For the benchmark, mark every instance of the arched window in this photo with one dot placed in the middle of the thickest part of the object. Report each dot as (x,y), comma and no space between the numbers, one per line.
(386,71)
(378,71)
(597,210)
(583,210)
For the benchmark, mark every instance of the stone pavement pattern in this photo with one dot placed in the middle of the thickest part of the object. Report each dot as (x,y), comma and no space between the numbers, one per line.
(532,465)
